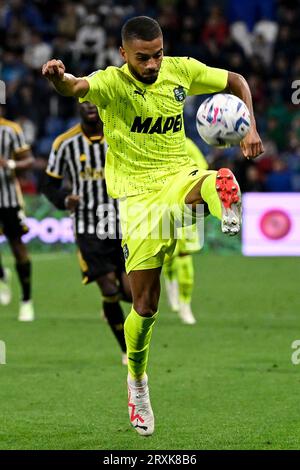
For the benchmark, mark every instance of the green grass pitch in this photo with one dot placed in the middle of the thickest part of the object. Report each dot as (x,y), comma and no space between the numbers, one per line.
(226,383)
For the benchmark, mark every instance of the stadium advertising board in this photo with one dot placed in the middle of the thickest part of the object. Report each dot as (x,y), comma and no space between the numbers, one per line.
(271,224)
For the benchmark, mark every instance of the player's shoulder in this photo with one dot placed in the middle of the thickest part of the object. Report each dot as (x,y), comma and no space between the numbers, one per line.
(177,61)
(65,136)
(11,125)
(109,71)
(181,66)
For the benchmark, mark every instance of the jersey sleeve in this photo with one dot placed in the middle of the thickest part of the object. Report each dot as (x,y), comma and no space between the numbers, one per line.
(56,162)
(101,87)
(205,79)
(195,154)
(18,140)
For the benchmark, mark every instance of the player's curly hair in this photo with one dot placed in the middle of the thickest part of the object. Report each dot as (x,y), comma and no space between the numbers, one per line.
(140,27)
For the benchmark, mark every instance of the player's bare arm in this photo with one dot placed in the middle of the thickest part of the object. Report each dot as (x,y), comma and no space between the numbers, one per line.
(53,190)
(23,161)
(64,83)
(251,145)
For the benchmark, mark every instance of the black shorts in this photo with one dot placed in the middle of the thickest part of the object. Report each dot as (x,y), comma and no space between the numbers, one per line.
(99,257)
(12,222)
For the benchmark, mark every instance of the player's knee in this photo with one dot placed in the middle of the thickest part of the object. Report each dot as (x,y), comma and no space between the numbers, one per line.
(111,298)
(146,305)
(145,310)
(20,251)
(21,257)
(108,287)
(193,198)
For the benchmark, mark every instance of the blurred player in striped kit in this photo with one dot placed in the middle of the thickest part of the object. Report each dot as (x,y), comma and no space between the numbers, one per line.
(15,155)
(178,269)
(78,155)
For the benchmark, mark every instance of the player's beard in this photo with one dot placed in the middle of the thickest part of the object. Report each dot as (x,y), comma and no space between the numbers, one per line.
(148,79)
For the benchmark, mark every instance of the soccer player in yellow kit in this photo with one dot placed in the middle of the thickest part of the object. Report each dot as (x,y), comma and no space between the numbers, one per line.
(147,167)
(178,269)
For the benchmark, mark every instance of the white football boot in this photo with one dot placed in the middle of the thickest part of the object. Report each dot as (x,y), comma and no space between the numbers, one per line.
(26,311)
(139,406)
(172,294)
(5,289)
(230,197)
(185,314)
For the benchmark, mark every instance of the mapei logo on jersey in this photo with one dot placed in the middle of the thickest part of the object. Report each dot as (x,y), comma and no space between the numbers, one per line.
(179,93)
(158,126)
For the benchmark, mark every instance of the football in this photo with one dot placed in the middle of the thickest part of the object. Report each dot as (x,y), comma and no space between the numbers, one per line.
(223,120)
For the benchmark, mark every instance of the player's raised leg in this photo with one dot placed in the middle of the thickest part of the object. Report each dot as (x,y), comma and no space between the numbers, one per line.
(221,192)
(145,288)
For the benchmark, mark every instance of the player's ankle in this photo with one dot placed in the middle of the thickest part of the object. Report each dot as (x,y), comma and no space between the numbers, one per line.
(137,381)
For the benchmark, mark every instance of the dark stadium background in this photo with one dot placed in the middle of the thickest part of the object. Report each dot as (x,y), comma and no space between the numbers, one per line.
(85,35)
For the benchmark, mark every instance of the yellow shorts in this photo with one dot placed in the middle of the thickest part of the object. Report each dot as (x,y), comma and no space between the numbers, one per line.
(149,221)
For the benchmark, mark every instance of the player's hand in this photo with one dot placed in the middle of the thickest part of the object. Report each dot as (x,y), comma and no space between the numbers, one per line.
(3,163)
(71,202)
(54,70)
(252,145)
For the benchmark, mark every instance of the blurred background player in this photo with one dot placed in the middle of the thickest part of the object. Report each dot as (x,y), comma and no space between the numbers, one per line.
(15,155)
(178,269)
(79,154)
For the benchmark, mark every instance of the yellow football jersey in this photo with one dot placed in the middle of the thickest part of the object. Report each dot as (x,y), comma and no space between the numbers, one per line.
(195,154)
(143,124)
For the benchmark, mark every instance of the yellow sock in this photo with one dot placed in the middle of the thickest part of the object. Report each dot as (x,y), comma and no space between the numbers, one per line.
(210,196)
(138,332)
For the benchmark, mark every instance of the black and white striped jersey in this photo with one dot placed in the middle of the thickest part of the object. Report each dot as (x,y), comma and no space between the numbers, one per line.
(82,160)
(12,142)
